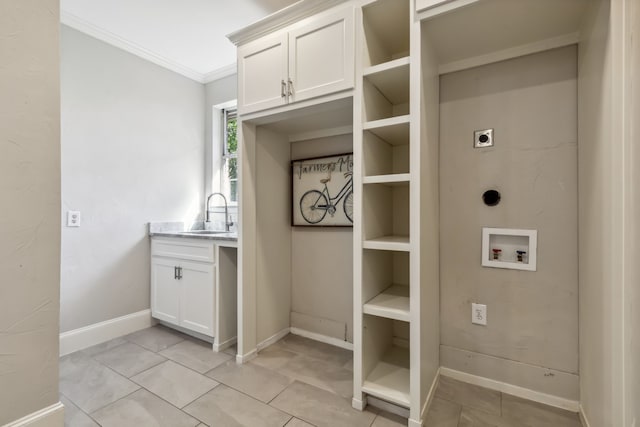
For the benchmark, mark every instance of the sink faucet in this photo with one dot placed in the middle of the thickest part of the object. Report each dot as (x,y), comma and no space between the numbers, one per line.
(227,223)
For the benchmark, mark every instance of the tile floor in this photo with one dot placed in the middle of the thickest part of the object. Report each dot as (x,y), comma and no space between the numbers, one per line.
(159,377)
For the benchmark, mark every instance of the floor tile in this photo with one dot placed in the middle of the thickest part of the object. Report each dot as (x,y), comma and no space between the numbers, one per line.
(385,419)
(156,338)
(129,359)
(99,348)
(74,417)
(320,407)
(258,382)
(476,418)
(443,413)
(469,395)
(527,413)
(296,422)
(233,350)
(143,409)
(91,385)
(315,349)
(198,356)
(274,358)
(175,383)
(321,374)
(225,407)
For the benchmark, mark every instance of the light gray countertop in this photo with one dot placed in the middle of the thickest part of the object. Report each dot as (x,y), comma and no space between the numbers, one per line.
(195,230)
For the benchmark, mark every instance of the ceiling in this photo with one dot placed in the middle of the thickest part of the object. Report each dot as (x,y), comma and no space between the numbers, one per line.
(186,36)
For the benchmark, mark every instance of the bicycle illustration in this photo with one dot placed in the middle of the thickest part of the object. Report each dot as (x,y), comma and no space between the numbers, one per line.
(314,204)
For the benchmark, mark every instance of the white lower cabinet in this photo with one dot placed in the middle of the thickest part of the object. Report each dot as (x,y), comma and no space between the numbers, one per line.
(183,291)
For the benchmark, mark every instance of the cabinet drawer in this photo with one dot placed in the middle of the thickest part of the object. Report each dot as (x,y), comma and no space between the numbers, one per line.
(183,249)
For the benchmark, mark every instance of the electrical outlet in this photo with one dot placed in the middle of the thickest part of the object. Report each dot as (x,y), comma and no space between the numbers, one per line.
(479,314)
(73,219)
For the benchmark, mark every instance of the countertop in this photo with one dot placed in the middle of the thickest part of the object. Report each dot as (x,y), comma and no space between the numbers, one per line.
(195,230)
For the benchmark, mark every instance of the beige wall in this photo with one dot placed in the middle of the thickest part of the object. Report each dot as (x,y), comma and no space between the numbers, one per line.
(322,261)
(30,206)
(530,102)
(632,293)
(132,152)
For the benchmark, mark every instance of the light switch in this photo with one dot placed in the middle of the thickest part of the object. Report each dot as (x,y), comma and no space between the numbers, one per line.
(73,219)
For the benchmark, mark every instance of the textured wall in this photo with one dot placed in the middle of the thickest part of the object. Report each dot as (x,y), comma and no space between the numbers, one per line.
(132,152)
(29,206)
(532,316)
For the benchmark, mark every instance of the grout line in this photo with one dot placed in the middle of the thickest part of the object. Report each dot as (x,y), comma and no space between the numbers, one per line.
(117,400)
(206,392)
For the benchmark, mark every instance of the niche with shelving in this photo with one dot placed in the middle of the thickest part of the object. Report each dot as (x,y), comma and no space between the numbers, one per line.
(386,362)
(385,284)
(386,94)
(386,215)
(386,32)
(386,152)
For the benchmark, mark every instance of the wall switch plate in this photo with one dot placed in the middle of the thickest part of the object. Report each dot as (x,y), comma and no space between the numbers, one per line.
(479,314)
(73,219)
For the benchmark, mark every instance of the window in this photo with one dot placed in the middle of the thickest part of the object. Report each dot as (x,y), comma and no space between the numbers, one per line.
(230,155)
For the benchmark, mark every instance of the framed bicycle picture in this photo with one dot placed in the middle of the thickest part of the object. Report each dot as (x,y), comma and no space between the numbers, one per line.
(323,191)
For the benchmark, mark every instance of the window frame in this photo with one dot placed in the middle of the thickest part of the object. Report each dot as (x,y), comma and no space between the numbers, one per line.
(228,113)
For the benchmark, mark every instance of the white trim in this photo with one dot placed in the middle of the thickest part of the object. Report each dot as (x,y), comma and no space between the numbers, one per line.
(240,359)
(97,333)
(224,345)
(220,73)
(49,416)
(280,19)
(273,339)
(387,406)
(433,11)
(583,417)
(525,393)
(99,33)
(323,338)
(322,133)
(431,395)
(359,404)
(510,53)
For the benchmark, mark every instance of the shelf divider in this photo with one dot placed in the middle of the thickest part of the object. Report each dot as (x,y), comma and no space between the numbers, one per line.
(392,303)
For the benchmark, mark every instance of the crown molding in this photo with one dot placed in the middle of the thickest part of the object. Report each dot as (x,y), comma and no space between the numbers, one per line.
(220,73)
(280,19)
(99,33)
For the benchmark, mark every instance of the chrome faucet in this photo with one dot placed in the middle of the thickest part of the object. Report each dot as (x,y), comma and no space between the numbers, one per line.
(227,223)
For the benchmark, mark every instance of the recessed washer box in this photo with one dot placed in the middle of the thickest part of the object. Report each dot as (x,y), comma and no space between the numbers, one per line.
(510,248)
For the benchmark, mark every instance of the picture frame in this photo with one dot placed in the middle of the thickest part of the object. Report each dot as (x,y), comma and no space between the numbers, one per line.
(322,191)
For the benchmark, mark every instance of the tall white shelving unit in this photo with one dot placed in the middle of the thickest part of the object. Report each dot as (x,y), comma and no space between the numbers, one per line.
(392,362)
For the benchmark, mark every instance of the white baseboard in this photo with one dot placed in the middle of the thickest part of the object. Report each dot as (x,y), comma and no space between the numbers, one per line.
(47,417)
(431,395)
(82,338)
(583,417)
(323,338)
(387,406)
(273,339)
(224,345)
(525,393)
(244,358)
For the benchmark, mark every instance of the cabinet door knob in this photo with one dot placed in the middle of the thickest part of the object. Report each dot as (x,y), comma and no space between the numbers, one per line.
(283,89)
(179,273)
(175,273)
(290,87)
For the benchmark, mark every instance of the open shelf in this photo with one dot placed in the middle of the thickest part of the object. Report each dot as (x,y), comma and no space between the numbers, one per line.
(392,303)
(386,31)
(394,130)
(385,213)
(391,79)
(391,180)
(386,360)
(388,243)
(378,105)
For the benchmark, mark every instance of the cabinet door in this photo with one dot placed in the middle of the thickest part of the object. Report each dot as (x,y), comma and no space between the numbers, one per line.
(321,56)
(197,297)
(165,290)
(262,74)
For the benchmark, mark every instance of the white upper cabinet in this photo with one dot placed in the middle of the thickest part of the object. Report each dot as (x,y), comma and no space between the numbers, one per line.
(321,56)
(262,74)
(305,62)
